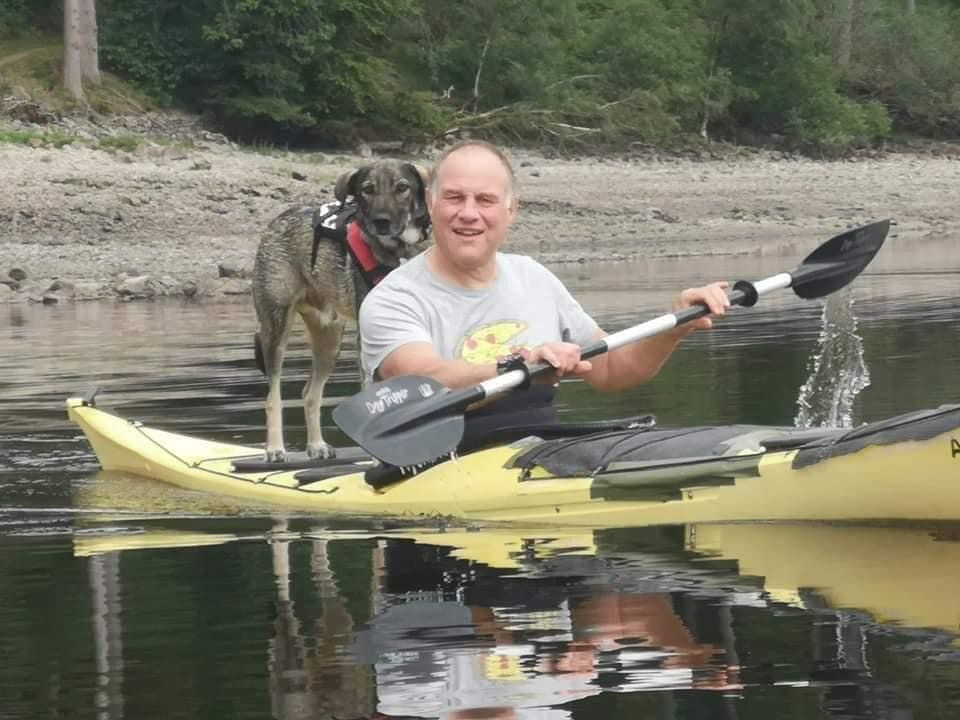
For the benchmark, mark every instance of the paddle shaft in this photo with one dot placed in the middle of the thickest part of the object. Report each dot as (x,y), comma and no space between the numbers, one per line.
(741,294)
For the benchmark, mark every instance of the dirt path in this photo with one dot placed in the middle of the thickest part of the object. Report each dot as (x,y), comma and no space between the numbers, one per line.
(10,59)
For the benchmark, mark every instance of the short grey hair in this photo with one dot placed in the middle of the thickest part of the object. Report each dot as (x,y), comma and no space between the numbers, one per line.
(464,144)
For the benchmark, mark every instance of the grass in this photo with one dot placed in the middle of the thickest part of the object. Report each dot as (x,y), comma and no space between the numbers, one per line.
(28,137)
(127,143)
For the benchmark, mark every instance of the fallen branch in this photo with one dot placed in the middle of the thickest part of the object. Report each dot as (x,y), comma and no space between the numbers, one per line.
(567,126)
(573,78)
(610,104)
(126,99)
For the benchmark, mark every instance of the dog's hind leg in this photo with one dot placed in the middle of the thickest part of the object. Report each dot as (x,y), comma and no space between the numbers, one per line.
(325,333)
(271,346)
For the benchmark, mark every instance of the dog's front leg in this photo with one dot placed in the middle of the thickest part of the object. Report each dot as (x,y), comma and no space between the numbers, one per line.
(275,450)
(325,339)
(270,343)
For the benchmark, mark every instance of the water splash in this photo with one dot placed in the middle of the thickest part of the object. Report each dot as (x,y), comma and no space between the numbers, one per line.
(837,371)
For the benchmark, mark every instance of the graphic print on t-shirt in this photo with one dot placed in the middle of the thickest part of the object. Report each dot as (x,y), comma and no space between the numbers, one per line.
(491,342)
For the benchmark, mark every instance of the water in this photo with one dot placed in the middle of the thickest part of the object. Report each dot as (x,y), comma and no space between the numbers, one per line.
(837,371)
(126,598)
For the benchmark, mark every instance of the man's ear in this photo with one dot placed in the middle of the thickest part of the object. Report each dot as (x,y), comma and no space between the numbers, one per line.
(346,185)
(514,207)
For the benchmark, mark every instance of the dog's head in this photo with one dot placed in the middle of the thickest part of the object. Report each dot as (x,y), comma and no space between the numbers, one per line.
(392,205)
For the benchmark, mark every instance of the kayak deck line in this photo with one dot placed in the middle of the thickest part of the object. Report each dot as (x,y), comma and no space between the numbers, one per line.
(920,425)
(903,468)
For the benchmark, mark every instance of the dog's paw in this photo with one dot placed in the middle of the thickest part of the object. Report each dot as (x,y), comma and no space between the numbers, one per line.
(321,451)
(277,455)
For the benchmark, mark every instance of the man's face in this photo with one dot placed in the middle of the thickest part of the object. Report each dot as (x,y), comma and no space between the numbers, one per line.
(471,207)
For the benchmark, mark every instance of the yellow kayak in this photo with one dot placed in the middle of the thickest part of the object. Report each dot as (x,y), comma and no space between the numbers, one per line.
(903,468)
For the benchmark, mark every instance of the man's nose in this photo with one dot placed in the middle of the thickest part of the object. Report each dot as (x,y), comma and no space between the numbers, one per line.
(469,210)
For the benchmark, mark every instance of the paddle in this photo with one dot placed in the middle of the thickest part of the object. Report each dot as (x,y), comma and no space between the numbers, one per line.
(411,420)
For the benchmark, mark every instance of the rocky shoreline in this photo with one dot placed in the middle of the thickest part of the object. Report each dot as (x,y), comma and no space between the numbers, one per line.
(154,206)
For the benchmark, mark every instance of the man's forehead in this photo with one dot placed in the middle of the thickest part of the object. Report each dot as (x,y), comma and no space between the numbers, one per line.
(472,165)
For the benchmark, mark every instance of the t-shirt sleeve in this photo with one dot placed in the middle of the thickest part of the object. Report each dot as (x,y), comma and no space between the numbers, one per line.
(576,325)
(389,318)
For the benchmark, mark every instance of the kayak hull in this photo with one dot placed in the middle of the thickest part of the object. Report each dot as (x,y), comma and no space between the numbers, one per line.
(905,475)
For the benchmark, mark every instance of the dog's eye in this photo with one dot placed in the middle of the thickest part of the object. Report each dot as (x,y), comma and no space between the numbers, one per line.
(368,188)
(402,187)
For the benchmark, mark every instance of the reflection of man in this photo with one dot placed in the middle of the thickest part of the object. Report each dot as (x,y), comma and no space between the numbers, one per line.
(518,647)
(443,659)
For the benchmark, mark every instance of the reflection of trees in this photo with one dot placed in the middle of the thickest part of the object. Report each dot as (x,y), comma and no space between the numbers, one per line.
(105,589)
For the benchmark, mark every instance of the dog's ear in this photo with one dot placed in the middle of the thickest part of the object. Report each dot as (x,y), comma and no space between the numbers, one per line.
(421,178)
(346,185)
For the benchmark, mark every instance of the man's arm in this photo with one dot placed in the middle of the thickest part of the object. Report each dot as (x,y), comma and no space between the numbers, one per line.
(639,362)
(421,358)
(632,364)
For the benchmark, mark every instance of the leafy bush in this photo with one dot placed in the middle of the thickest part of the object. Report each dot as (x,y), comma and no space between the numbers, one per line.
(911,64)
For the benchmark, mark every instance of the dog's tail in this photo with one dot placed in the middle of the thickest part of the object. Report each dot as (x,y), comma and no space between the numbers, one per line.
(258,353)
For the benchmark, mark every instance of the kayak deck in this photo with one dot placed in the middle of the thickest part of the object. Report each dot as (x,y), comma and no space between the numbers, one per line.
(904,468)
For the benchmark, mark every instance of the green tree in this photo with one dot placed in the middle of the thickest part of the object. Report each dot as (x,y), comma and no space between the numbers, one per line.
(910,63)
(264,66)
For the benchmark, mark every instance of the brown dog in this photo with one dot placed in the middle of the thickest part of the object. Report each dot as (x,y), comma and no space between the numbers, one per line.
(299,271)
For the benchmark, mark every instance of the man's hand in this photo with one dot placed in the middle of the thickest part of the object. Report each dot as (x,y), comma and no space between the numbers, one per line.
(564,357)
(714,296)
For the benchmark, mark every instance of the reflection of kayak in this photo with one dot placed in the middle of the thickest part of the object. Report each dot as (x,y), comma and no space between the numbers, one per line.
(896,574)
(907,467)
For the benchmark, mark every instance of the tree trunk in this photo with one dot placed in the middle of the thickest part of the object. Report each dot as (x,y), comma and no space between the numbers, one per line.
(89,49)
(72,44)
(844,34)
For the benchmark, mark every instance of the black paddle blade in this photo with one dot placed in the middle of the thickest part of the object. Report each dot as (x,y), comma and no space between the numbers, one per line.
(406,421)
(838,261)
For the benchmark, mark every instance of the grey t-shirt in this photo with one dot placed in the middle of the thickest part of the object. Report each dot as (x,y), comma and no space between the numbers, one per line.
(526,306)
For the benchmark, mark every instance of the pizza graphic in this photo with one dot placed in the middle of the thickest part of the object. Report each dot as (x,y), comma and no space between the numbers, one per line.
(491,342)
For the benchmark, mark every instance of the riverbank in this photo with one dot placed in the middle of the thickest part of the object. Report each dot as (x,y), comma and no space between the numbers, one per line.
(138,210)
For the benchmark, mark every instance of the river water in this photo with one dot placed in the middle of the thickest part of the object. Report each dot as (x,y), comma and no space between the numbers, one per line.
(121,597)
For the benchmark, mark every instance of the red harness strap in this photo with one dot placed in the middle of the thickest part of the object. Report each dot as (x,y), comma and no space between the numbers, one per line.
(373,272)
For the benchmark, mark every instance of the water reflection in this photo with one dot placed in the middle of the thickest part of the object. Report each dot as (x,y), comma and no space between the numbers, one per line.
(513,623)
(105,590)
(309,675)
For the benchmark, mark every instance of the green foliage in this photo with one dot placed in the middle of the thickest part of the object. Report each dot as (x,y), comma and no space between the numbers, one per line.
(127,143)
(590,73)
(911,64)
(34,137)
(13,18)
(22,18)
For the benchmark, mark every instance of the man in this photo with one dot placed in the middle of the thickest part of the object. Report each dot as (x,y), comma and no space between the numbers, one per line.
(462,312)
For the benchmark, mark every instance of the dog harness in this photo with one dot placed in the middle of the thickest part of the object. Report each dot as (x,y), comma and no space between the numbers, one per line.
(337,221)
